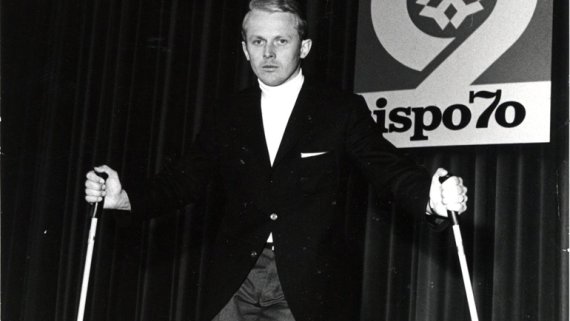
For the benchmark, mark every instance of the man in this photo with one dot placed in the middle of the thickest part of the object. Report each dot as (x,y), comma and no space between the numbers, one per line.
(282,152)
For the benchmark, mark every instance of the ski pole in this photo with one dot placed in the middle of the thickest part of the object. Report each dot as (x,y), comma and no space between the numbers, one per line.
(95,209)
(462,261)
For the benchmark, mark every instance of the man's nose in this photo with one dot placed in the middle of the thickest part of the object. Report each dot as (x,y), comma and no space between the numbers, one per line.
(269,51)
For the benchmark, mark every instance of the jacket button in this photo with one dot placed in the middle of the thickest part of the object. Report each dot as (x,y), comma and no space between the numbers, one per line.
(253,254)
(273,217)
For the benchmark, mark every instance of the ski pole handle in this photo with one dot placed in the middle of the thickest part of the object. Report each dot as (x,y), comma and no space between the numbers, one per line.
(453,214)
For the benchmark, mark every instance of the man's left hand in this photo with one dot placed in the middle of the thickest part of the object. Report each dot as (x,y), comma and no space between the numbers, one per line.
(450,195)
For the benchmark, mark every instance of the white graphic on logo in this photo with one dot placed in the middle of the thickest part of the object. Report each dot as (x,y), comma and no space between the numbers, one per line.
(415,49)
(483,47)
(438,13)
(400,36)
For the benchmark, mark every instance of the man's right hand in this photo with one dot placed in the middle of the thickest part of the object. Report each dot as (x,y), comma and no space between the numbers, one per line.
(97,189)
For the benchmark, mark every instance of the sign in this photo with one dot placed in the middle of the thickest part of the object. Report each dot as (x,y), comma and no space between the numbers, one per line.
(456,72)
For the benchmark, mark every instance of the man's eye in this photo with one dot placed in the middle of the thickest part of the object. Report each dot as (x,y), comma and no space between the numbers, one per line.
(282,41)
(257,42)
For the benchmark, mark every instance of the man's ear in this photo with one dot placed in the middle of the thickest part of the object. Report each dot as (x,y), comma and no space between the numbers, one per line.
(244,48)
(305,47)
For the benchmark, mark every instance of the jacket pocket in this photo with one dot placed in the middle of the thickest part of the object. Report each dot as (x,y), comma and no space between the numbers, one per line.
(317,173)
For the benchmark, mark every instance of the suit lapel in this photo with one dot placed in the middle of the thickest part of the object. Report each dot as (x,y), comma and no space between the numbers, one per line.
(252,133)
(299,122)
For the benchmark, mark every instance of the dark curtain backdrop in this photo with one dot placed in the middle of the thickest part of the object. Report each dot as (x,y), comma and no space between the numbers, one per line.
(125,83)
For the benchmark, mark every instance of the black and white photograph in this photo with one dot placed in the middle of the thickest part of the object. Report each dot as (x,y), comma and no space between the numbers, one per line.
(284,160)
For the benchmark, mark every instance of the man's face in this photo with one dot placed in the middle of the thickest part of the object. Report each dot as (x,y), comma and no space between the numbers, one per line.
(273,46)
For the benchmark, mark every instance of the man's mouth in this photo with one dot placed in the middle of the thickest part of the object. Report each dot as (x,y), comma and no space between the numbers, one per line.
(269,67)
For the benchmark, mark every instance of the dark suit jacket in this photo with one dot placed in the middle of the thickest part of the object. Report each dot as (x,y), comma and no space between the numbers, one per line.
(301,200)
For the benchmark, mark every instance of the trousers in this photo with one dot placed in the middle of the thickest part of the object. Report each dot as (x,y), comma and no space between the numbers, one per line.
(260,297)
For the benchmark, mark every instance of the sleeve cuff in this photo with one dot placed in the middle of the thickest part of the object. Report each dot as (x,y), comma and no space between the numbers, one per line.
(436,222)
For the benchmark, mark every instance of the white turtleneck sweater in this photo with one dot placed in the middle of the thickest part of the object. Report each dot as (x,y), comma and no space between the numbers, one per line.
(276,106)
